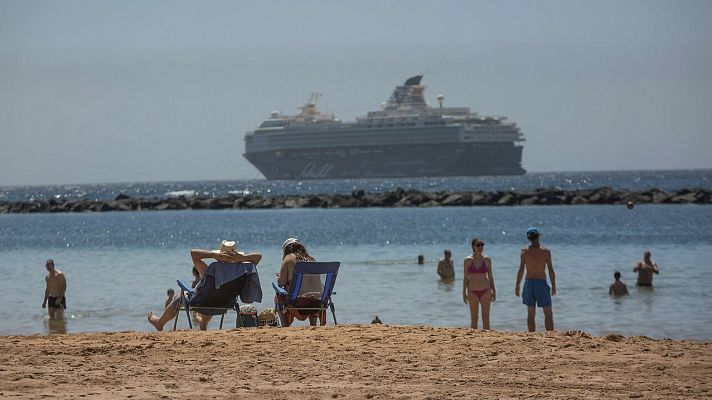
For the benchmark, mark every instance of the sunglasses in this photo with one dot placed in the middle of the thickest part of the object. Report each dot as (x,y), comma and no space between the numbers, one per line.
(480,245)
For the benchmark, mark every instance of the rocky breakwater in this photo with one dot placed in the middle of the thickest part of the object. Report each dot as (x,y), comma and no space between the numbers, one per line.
(359,198)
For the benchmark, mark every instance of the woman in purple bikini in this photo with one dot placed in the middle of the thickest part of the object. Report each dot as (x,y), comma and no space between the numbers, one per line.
(478,284)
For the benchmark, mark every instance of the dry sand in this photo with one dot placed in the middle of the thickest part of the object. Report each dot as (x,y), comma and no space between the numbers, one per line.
(352,361)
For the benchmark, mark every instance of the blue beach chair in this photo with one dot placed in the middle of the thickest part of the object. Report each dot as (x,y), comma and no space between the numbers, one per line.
(302,300)
(218,291)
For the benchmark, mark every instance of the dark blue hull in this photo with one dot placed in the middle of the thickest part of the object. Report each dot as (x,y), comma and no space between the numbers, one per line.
(458,159)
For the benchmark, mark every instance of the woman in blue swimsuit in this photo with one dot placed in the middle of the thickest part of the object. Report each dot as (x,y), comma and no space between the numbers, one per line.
(478,284)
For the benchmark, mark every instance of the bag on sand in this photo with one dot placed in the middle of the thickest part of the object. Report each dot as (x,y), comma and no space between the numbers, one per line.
(268,316)
(247,316)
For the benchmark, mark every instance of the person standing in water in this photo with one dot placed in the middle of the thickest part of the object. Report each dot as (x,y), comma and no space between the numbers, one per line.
(536,259)
(56,286)
(446,267)
(478,284)
(645,269)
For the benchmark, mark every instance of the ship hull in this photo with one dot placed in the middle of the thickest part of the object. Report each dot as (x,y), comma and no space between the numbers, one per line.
(451,159)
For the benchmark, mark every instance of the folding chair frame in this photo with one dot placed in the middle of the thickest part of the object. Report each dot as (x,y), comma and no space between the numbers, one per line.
(304,268)
(185,305)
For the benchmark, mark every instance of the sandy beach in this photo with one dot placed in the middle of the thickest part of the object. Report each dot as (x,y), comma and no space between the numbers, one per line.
(352,361)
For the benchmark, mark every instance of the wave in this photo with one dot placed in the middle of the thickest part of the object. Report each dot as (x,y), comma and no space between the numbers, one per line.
(179,193)
(245,192)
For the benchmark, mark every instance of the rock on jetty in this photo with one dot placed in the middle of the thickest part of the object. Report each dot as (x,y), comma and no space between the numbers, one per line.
(360,198)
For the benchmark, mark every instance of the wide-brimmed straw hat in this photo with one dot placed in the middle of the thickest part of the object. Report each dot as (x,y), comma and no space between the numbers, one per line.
(227,247)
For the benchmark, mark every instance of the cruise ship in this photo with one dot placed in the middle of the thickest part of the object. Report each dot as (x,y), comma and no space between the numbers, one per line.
(405,138)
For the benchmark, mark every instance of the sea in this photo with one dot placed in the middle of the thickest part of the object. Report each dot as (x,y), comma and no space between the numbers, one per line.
(119,265)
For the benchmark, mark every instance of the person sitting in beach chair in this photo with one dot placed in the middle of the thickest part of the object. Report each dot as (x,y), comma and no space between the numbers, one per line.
(301,292)
(220,284)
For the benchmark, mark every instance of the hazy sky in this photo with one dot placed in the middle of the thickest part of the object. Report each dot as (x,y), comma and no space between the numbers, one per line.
(124,91)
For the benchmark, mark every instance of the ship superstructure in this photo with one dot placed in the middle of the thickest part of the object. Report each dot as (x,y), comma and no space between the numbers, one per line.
(405,138)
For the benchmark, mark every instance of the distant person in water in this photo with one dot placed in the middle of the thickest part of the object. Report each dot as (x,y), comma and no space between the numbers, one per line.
(645,269)
(617,288)
(171,293)
(56,286)
(226,254)
(478,284)
(446,267)
(421,259)
(536,259)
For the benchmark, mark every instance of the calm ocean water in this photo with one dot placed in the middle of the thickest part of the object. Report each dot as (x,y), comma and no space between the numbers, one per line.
(633,180)
(119,265)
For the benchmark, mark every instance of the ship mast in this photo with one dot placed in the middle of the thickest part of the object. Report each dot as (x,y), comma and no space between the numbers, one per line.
(309,108)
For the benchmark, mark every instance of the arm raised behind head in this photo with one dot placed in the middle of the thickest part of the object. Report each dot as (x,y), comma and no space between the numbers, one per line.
(253,258)
(238,257)
(199,255)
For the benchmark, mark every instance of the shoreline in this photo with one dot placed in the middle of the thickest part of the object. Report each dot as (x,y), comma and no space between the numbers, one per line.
(353,361)
(362,199)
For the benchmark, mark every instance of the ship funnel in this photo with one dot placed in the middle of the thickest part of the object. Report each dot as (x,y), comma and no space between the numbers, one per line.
(274,114)
(440,100)
(413,81)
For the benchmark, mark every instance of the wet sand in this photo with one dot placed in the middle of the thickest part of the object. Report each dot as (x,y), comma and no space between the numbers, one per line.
(352,361)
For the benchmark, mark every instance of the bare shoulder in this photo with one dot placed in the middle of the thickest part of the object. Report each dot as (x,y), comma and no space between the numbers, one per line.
(525,249)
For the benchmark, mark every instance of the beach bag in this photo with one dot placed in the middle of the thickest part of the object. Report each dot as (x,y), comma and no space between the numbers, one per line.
(247,317)
(267,317)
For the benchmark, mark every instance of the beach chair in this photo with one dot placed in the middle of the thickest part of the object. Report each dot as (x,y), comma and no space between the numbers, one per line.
(298,302)
(218,291)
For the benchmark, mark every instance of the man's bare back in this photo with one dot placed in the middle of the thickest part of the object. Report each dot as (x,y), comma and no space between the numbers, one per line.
(535,260)
(618,288)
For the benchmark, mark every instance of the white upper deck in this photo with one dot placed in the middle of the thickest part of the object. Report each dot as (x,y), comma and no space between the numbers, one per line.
(406,117)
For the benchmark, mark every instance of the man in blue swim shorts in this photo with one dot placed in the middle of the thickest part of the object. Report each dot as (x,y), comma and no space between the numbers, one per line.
(536,259)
